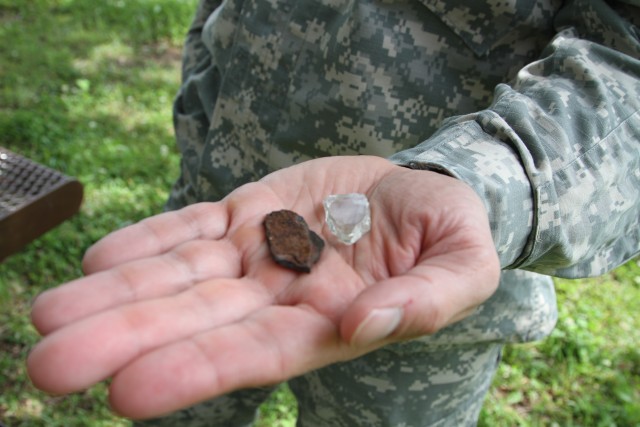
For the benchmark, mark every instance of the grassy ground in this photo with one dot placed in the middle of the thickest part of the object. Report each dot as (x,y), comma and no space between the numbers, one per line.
(87,89)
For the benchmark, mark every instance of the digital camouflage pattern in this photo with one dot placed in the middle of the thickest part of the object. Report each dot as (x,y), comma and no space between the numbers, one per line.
(535,104)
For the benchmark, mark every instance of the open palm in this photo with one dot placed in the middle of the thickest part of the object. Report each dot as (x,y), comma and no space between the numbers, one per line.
(188,305)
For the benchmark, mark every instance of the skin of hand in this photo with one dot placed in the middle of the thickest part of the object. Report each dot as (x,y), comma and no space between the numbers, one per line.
(188,305)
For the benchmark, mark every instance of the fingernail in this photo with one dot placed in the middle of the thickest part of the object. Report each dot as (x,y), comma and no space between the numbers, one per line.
(378,325)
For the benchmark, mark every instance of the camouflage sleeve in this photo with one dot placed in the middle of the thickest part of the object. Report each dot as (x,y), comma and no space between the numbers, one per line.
(195,51)
(556,157)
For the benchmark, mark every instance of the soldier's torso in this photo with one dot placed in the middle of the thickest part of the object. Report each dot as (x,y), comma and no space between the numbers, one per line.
(287,81)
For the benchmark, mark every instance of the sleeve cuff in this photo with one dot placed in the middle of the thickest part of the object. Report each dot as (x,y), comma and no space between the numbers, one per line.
(492,168)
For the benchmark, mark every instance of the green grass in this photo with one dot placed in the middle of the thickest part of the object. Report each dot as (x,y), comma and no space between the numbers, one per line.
(587,373)
(87,89)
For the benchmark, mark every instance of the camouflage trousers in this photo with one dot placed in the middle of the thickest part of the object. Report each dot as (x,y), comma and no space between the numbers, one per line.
(399,385)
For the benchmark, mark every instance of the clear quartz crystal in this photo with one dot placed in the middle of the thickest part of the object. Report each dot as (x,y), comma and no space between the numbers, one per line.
(348,216)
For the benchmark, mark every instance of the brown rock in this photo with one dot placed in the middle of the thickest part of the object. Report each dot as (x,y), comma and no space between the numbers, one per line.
(291,243)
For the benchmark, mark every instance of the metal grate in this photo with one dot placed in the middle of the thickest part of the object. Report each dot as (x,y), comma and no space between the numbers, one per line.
(23,180)
(33,200)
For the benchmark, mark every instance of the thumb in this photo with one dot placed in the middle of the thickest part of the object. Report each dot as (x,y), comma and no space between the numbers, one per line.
(379,324)
(419,303)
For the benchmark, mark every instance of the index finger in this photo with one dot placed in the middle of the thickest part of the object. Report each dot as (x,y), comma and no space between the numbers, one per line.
(157,234)
(149,278)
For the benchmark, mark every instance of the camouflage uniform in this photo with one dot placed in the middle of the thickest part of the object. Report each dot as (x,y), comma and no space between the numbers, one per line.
(533,103)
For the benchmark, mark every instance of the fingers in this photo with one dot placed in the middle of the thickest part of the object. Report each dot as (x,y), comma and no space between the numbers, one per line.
(163,275)
(157,234)
(270,347)
(434,294)
(93,349)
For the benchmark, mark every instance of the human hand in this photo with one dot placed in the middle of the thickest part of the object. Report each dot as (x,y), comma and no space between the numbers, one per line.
(188,305)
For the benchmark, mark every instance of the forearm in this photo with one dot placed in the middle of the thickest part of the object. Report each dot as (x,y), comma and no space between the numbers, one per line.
(556,157)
